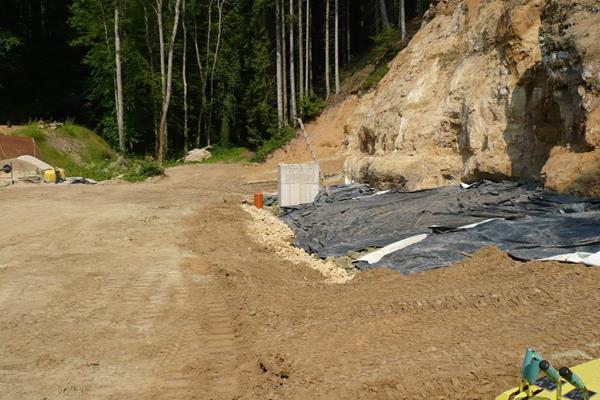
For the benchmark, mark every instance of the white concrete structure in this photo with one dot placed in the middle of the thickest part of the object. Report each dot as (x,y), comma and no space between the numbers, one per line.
(297,183)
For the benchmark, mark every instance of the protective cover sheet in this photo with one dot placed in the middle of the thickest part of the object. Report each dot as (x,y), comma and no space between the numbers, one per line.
(529,223)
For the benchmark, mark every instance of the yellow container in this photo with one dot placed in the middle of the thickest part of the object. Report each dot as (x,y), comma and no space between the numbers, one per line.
(51,175)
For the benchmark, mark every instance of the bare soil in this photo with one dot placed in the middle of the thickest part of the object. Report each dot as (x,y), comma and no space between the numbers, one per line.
(160,290)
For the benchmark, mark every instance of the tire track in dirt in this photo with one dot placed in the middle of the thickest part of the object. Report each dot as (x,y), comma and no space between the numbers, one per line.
(463,302)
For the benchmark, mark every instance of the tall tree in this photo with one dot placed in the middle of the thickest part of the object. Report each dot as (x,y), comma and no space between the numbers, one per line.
(284,63)
(220,4)
(307,66)
(184,80)
(279,64)
(292,68)
(119,81)
(162,136)
(385,20)
(150,50)
(402,18)
(327,84)
(337,49)
(300,50)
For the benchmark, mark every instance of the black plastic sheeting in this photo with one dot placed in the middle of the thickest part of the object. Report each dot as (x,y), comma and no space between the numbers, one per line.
(529,238)
(531,223)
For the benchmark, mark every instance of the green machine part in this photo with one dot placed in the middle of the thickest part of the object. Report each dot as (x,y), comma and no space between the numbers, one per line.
(550,371)
(531,366)
(572,378)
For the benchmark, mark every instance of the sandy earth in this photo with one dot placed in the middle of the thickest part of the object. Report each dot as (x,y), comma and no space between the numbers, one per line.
(159,291)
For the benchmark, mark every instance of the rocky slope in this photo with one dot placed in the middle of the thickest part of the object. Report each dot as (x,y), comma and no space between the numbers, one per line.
(486,89)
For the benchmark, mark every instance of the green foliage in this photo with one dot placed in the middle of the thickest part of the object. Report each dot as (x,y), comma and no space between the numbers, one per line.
(31,130)
(386,44)
(311,106)
(374,77)
(8,41)
(385,48)
(229,155)
(278,139)
(142,169)
(70,128)
(260,97)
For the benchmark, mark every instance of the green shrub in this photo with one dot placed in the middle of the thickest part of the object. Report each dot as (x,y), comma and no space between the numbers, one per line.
(311,106)
(101,171)
(279,138)
(374,77)
(140,170)
(386,44)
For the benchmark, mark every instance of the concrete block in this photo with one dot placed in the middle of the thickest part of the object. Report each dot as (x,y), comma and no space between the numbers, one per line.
(297,183)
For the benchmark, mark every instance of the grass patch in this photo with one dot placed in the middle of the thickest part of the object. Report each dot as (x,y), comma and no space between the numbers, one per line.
(87,155)
(279,139)
(229,155)
(31,130)
(71,129)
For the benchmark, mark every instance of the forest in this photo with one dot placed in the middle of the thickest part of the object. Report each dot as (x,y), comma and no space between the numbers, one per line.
(159,77)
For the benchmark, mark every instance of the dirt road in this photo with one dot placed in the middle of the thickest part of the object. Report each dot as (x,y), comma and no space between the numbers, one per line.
(156,291)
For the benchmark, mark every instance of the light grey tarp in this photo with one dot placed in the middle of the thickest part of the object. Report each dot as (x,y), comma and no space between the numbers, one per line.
(528,223)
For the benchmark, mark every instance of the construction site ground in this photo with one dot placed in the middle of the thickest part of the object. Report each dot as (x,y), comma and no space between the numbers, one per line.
(160,290)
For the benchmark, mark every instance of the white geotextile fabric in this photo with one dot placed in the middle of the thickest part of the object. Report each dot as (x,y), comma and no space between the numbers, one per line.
(592,259)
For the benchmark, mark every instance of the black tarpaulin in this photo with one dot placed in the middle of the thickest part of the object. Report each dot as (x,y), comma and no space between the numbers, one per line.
(529,223)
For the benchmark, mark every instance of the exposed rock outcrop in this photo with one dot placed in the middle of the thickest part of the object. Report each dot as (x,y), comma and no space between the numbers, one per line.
(486,89)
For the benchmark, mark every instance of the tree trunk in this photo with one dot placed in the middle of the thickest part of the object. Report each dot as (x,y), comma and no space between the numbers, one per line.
(308,66)
(162,137)
(385,21)
(161,49)
(161,45)
(120,111)
(292,69)
(327,83)
(279,66)
(214,66)
(300,51)
(284,58)
(201,73)
(337,48)
(151,58)
(402,19)
(184,81)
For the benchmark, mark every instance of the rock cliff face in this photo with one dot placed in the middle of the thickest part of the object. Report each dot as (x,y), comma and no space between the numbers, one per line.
(486,89)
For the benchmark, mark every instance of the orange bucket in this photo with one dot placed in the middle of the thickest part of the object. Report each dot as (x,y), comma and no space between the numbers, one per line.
(258,200)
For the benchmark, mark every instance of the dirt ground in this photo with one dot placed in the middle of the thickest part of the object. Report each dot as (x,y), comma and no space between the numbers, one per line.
(159,291)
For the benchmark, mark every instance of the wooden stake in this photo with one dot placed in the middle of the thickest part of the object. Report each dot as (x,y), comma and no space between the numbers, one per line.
(313,155)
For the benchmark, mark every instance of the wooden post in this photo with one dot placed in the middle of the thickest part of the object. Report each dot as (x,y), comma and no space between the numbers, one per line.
(312,153)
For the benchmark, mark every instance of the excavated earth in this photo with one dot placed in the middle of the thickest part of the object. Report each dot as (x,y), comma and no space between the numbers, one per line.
(162,290)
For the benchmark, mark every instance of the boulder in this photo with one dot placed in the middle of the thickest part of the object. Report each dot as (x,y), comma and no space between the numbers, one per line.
(197,155)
